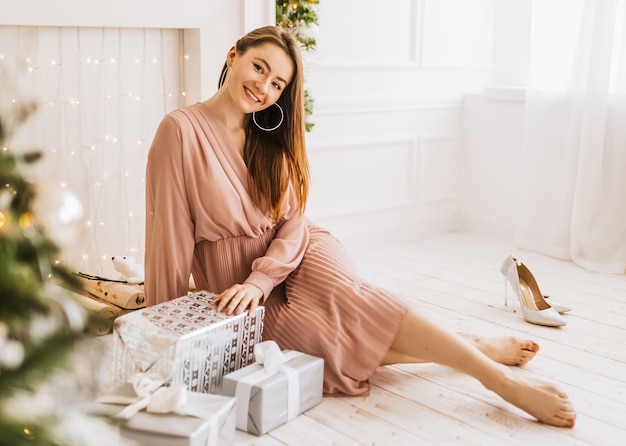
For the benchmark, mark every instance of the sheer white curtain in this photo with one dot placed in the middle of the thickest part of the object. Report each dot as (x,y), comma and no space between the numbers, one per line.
(572,202)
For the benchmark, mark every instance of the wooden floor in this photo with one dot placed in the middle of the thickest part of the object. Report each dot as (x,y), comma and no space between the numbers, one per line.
(456,279)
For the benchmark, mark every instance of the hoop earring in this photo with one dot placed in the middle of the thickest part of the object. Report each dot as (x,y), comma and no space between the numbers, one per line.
(282,117)
(223,79)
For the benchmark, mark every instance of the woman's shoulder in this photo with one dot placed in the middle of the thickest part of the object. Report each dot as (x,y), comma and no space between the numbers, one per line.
(190,118)
(187,113)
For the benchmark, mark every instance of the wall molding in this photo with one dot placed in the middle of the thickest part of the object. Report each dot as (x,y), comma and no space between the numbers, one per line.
(330,107)
(406,143)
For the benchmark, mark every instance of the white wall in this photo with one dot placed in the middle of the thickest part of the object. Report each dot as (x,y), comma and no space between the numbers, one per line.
(492,129)
(490,181)
(388,81)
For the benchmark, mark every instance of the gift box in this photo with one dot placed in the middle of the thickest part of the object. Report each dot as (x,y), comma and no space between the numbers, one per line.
(178,419)
(186,340)
(275,389)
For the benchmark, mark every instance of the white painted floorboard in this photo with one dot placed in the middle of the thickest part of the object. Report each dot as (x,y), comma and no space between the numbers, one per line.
(456,279)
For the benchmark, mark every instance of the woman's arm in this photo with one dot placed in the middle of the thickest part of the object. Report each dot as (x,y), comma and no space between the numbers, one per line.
(169,226)
(283,256)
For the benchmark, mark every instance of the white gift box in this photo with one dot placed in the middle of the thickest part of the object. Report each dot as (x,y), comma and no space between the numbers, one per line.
(278,387)
(185,340)
(180,419)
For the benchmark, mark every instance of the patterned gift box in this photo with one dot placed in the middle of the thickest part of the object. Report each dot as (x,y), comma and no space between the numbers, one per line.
(203,420)
(185,340)
(275,389)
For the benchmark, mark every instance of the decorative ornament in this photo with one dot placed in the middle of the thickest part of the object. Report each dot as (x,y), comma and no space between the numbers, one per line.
(59,212)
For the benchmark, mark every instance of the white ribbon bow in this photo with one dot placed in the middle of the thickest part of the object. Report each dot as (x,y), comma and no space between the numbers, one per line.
(152,396)
(268,355)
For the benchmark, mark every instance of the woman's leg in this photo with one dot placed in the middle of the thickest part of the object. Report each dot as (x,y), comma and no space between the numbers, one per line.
(418,337)
(507,350)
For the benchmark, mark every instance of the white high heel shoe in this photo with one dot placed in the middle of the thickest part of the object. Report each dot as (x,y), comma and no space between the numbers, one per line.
(560,308)
(535,309)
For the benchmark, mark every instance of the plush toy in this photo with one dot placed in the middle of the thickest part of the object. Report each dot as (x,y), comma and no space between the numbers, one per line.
(132,272)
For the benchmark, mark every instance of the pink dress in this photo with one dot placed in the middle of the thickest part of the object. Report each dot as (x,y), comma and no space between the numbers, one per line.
(201,220)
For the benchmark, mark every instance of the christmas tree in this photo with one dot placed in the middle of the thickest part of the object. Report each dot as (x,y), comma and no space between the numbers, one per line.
(41,324)
(301,17)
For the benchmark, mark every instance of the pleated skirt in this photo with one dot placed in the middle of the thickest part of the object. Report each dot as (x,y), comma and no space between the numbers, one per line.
(324,308)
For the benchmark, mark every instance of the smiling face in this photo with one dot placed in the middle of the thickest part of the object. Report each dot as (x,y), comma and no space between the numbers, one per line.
(259,76)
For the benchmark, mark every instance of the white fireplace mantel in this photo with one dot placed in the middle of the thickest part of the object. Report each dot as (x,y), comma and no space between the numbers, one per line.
(210,25)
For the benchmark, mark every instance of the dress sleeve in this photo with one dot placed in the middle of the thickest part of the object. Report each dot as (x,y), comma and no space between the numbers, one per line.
(284,253)
(169,225)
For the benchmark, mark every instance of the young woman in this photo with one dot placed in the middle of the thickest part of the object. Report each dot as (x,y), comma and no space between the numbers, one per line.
(227,183)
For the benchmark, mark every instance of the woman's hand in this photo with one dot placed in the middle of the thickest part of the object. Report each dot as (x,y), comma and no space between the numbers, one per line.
(238,298)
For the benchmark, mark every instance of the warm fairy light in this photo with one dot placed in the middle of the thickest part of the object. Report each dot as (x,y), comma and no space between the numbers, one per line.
(3,220)
(27,220)
(186,56)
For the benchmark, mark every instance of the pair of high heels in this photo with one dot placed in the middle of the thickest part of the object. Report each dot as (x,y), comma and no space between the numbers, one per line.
(535,307)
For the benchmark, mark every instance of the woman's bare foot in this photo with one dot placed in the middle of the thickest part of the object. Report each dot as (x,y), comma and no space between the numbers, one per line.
(540,399)
(507,350)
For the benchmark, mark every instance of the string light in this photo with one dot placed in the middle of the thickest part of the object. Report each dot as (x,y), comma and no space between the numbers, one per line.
(105,118)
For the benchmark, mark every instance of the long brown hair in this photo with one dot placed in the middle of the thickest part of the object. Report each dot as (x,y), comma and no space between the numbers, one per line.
(277,157)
